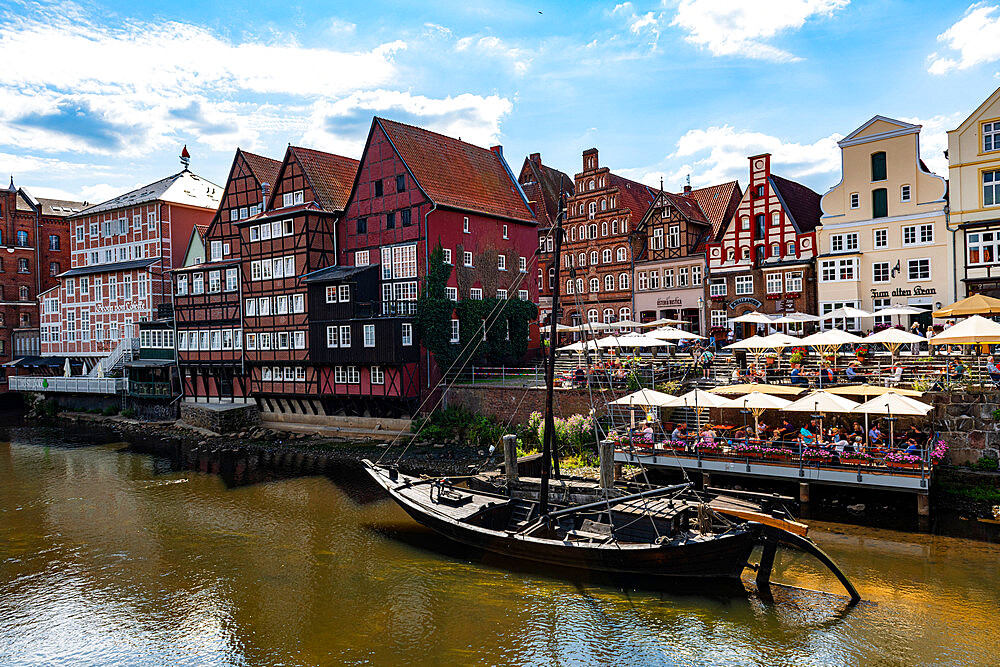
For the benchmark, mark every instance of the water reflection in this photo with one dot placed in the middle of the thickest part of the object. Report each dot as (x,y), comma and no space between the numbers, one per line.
(121,558)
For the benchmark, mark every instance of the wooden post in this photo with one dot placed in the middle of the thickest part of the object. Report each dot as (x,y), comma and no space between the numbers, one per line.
(607,457)
(923,504)
(510,458)
(803,492)
(706,480)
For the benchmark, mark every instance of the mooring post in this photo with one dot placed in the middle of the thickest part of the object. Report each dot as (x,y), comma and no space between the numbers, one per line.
(923,504)
(803,492)
(606,453)
(510,458)
(706,480)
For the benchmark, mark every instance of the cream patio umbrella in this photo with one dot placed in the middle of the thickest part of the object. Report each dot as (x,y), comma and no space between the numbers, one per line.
(868,390)
(977,304)
(578,346)
(631,340)
(892,339)
(828,342)
(756,402)
(753,317)
(898,311)
(795,318)
(772,389)
(698,399)
(623,324)
(671,333)
(821,403)
(971,331)
(663,321)
(847,312)
(647,398)
(67,369)
(755,345)
(891,404)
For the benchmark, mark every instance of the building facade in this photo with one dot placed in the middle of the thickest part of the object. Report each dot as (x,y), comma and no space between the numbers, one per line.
(121,252)
(974,200)
(208,288)
(544,186)
(34,249)
(671,269)
(763,257)
(598,246)
(883,238)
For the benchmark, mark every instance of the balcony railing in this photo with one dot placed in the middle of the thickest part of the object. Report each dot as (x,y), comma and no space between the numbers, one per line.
(370,309)
(67,385)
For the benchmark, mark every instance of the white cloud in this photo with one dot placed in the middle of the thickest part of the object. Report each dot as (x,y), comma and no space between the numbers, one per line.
(718,154)
(492,46)
(975,37)
(934,139)
(646,25)
(739,28)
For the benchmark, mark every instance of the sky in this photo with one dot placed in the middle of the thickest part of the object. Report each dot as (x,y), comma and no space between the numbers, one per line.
(97,98)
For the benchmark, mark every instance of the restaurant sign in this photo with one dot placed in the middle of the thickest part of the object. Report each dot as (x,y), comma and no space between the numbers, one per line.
(670,301)
(899,291)
(744,299)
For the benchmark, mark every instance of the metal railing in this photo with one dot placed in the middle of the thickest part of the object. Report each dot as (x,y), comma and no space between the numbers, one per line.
(137,388)
(68,385)
(124,351)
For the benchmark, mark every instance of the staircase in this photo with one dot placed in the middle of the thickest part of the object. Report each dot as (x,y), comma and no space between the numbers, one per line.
(123,352)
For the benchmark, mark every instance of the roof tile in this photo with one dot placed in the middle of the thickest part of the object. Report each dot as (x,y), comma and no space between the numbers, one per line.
(331,176)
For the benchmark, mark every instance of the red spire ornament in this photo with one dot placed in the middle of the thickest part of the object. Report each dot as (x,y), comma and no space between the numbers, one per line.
(185,157)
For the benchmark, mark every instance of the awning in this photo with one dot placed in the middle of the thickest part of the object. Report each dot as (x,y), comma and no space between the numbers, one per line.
(149,363)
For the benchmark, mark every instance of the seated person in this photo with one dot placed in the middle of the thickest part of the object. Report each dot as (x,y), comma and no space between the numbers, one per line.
(991,368)
(680,433)
(858,431)
(797,377)
(912,447)
(707,435)
(735,377)
(647,432)
(826,374)
(875,435)
(579,377)
(784,432)
(807,436)
(956,369)
(852,371)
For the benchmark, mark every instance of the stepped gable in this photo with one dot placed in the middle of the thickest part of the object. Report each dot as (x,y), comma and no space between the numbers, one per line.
(457,174)
(330,176)
(801,202)
(543,186)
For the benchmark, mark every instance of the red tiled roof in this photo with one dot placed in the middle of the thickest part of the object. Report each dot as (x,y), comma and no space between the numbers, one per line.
(264,168)
(457,174)
(632,195)
(202,230)
(688,206)
(718,202)
(800,201)
(543,184)
(331,176)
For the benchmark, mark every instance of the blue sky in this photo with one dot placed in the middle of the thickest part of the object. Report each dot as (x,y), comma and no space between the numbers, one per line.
(99,97)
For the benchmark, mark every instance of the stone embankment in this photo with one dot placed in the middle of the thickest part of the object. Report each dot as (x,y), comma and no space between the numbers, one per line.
(968,422)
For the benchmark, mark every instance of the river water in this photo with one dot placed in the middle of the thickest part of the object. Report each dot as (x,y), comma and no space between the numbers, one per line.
(115,558)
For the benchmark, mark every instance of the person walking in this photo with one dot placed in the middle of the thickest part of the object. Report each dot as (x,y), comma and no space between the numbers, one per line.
(915,330)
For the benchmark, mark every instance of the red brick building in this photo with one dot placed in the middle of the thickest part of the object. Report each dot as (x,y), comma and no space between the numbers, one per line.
(34,249)
(416,189)
(598,247)
(763,258)
(544,185)
(121,252)
(207,291)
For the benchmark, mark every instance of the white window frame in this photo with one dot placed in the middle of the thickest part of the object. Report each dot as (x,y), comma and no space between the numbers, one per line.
(909,273)
(743,285)
(368,333)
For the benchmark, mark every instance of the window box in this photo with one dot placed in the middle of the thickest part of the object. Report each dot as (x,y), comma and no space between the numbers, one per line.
(793,295)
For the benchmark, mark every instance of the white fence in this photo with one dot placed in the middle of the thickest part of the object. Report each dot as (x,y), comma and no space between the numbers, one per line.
(68,385)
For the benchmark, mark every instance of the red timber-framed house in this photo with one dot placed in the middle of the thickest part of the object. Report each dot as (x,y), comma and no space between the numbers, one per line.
(598,245)
(544,185)
(670,271)
(208,289)
(763,259)
(34,249)
(295,235)
(121,253)
(416,189)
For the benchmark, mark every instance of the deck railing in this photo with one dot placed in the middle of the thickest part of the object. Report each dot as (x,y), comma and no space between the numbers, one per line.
(68,385)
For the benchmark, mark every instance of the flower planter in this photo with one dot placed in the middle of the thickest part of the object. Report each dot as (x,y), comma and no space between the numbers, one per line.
(897,465)
(818,459)
(849,461)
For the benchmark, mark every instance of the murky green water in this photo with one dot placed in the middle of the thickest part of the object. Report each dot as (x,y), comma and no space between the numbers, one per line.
(110,558)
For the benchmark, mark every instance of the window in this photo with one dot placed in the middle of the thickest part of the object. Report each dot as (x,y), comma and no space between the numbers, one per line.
(227,339)
(54,241)
(717,287)
(298,303)
(345,335)
(775,250)
(250,306)
(467,258)
(918,234)
(454,331)
(606,256)
(369,335)
(744,284)
(623,281)
(300,373)
(522,294)
(353,377)
(264,306)
(991,137)
(609,283)
(84,285)
(654,279)
(255,233)
(378,377)
(880,272)
(595,285)
(983,247)
(214,281)
(332,336)
(791,249)
(22,265)
(451,293)
(231,278)
(839,323)
(696,276)
(604,229)
(407,337)
(719,319)
(465,225)
(855,200)
(378,188)
(501,294)
(836,270)
(882,320)
(53,268)
(401,183)
(502,262)
(881,238)
(522,264)
(674,237)
(362,226)
(361,257)
(23,293)
(79,234)
(579,286)
(216,249)
(592,231)
(446,255)
(592,210)
(281,305)
(642,281)
(505,231)
(844,242)
(331,294)
(343,293)
(904,193)
(621,255)
(656,242)
(22,238)
(793,281)
(569,287)
(878,166)
(918,269)
(339,376)
(198,283)
(880,203)
(390,220)
(774,283)
(476,293)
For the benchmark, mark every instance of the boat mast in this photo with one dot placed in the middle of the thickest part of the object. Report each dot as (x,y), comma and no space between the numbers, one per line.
(548,444)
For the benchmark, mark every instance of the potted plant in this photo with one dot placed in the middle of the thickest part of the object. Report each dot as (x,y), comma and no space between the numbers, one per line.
(862,353)
(776,453)
(901,461)
(939,452)
(708,447)
(855,458)
(817,455)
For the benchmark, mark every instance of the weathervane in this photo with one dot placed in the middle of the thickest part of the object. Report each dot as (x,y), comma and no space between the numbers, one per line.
(185,157)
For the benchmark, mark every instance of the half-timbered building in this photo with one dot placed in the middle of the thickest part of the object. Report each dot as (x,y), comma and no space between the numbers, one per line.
(671,267)
(121,253)
(598,247)
(415,190)
(763,258)
(208,289)
(295,234)
(34,249)
(544,186)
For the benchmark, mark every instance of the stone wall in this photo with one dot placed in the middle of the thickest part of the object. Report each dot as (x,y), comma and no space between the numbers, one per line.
(515,404)
(220,418)
(966,423)
(153,411)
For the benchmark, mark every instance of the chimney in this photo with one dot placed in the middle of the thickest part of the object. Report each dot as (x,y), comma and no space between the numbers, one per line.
(687,188)
(536,158)
(590,162)
(264,187)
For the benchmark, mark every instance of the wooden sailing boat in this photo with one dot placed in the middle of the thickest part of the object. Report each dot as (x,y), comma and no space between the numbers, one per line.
(682,540)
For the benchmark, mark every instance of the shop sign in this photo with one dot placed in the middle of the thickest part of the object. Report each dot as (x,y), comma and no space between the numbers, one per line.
(670,301)
(745,299)
(899,291)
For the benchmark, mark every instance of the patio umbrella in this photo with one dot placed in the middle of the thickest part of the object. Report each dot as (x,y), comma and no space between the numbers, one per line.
(663,321)
(756,402)
(971,331)
(647,397)
(698,399)
(780,340)
(847,312)
(828,342)
(755,345)
(820,403)
(773,389)
(797,317)
(578,346)
(631,340)
(67,369)
(892,404)
(671,333)
(977,304)
(892,339)
(866,390)
(623,324)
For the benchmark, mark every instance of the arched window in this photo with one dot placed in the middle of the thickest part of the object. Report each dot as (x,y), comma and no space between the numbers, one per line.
(583,259)
(552,277)
(569,286)
(604,204)
(22,238)
(776,218)
(590,184)
(548,244)
(592,231)
(568,263)
(612,201)
(609,315)
(604,229)
(745,253)
(23,292)
(624,226)
(622,255)
(592,315)
(572,234)
(624,314)
(593,257)
(606,255)
(791,247)
(595,285)
(592,210)
(609,283)
(583,233)
(775,250)
(731,255)
(614,226)
(579,286)
(623,281)
(540,276)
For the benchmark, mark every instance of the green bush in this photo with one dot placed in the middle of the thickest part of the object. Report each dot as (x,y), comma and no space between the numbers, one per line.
(986,463)
(128,412)
(459,423)
(109,411)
